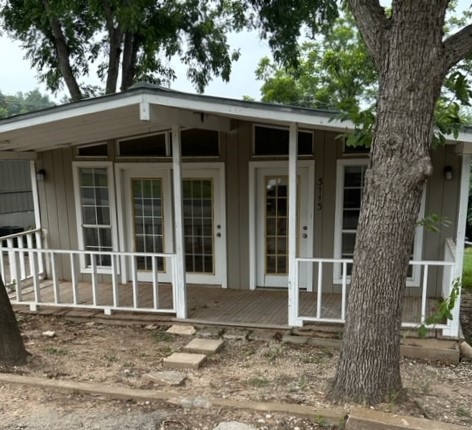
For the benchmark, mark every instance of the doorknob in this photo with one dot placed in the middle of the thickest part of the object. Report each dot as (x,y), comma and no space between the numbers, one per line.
(218,234)
(304,235)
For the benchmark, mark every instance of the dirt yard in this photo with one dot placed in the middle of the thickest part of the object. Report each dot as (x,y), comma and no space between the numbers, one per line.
(256,370)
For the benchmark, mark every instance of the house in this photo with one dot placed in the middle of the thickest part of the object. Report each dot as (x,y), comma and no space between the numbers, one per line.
(150,196)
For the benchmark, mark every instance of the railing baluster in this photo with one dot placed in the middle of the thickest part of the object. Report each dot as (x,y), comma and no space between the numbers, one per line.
(29,244)
(423,294)
(36,286)
(320,289)
(135,282)
(114,283)
(21,255)
(75,292)
(11,260)
(55,284)
(94,279)
(2,265)
(344,288)
(39,245)
(17,277)
(155,283)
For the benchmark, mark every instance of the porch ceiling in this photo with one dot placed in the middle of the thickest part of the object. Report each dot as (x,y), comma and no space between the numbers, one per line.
(142,110)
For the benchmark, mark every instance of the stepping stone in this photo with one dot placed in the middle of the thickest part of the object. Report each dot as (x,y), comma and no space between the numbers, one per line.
(204,346)
(235,334)
(166,377)
(233,425)
(182,360)
(182,329)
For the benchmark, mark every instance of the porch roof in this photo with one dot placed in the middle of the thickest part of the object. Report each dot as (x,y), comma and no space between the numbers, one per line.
(142,109)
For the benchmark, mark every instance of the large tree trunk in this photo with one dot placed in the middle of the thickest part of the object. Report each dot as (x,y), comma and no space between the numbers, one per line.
(410,77)
(12,349)
(62,52)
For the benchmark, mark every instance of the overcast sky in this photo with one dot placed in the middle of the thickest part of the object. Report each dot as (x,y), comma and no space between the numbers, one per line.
(16,73)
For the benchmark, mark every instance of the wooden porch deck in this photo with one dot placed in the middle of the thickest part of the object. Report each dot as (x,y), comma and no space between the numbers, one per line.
(214,305)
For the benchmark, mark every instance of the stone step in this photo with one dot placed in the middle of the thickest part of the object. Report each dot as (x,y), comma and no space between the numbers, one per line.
(204,346)
(182,360)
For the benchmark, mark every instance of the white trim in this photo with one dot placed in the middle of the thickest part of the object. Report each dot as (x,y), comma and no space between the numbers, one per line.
(254,166)
(180,288)
(35,193)
(414,280)
(108,165)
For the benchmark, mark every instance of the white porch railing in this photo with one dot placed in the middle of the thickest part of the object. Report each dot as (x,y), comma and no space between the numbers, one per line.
(15,257)
(90,286)
(323,310)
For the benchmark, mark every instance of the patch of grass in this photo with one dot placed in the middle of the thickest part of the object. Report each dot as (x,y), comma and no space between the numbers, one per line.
(467,270)
(258,381)
(462,411)
(273,353)
(54,351)
(162,336)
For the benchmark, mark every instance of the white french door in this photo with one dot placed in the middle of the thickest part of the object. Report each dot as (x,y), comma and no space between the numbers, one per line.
(271,225)
(147,224)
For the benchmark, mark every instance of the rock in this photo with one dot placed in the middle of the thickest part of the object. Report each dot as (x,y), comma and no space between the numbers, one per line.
(210,332)
(49,333)
(169,377)
(150,327)
(235,334)
(182,329)
(233,425)
(466,350)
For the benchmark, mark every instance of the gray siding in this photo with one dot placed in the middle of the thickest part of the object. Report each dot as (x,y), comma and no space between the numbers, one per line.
(15,187)
(59,217)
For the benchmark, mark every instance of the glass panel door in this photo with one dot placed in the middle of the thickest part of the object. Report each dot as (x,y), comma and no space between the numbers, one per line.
(276,219)
(198,225)
(148,220)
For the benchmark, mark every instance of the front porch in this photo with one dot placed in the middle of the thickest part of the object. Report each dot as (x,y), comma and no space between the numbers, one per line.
(24,268)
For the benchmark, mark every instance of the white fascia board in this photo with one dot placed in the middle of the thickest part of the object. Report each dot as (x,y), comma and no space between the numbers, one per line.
(277,114)
(71,111)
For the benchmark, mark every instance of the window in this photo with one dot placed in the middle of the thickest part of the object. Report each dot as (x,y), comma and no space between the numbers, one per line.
(200,143)
(95,212)
(349,188)
(153,145)
(94,150)
(269,141)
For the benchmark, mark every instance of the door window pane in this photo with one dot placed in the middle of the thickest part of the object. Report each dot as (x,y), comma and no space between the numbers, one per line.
(95,205)
(148,221)
(198,225)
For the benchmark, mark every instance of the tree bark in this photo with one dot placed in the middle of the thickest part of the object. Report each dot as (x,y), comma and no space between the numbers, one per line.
(115,34)
(62,51)
(12,349)
(411,70)
(130,52)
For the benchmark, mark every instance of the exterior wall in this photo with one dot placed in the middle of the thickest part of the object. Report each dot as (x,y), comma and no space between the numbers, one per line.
(58,212)
(16,200)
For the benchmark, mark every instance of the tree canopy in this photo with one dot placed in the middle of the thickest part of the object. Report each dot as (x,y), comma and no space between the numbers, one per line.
(67,40)
(21,103)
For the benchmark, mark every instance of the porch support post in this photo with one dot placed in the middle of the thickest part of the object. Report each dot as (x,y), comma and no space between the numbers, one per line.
(292,228)
(453,331)
(179,266)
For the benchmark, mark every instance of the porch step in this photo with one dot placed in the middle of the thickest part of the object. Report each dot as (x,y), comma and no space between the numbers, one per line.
(182,360)
(204,346)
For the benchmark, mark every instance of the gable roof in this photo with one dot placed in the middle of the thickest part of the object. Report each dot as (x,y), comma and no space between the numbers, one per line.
(145,108)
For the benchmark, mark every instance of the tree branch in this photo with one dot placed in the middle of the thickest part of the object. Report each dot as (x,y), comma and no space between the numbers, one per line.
(372,23)
(458,46)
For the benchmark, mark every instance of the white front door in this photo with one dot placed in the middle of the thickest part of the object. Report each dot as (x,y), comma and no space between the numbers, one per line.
(149,218)
(204,225)
(148,222)
(272,226)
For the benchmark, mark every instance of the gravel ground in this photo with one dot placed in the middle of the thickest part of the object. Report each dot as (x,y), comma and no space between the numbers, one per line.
(243,370)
